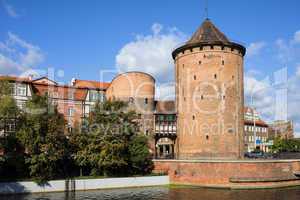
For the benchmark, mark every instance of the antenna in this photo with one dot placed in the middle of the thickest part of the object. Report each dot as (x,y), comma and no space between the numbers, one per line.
(206,9)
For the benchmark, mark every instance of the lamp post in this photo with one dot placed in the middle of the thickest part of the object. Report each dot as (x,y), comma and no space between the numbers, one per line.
(254,121)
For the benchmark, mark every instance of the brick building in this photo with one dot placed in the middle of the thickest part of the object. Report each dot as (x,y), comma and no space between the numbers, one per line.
(209,96)
(165,129)
(256,131)
(283,129)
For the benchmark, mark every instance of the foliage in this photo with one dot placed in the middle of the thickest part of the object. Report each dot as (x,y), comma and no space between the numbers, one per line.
(42,135)
(108,145)
(286,145)
(5,88)
(12,161)
(140,157)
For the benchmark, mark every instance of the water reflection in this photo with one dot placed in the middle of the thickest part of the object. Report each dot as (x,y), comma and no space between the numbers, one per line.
(164,193)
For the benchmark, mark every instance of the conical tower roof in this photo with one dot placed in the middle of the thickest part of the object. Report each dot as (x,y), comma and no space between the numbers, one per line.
(208,33)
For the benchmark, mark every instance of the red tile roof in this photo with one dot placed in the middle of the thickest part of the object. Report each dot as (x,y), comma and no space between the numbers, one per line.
(91,84)
(14,78)
(257,123)
(60,92)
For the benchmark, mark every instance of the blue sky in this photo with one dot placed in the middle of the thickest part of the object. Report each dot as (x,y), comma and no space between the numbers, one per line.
(80,38)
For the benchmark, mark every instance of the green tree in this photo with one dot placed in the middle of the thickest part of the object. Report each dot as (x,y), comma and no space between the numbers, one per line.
(5,88)
(105,145)
(140,157)
(285,145)
(12,163)
(42,134)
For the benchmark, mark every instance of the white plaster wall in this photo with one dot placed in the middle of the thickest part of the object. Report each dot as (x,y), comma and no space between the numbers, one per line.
(87,184)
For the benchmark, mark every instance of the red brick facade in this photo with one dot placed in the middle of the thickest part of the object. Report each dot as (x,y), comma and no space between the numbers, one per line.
(263,173)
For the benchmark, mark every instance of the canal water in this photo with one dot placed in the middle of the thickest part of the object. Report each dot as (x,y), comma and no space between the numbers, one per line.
(165,193)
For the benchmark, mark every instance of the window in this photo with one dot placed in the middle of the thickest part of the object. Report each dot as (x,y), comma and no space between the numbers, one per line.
(223,62)
(195,77)
(215,76)
(146,100)
(161,118)
(71,94)
(13,89)
(207,137)
(131,100)
(200,62)
(193,117)
(71,112)
(170,117)
(224,97)
(102,97)
(21,89)
(93,95)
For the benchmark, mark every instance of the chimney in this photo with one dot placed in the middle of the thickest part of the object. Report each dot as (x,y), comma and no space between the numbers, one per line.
(73,80)
(30,77)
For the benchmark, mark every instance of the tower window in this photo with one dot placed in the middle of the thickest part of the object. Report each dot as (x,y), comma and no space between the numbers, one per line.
(215,76)
(223,62)
(195,77)
(200,62)
(204,56)
(201,97)
(232,77)
(131,100)
(193,117)
(207,137)
(224,97)
(146,100)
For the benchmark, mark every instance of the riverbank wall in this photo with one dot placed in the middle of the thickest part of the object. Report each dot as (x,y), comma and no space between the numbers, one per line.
(81,184)
(233,174)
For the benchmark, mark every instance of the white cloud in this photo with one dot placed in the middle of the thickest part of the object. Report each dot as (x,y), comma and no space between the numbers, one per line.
(10,10)
(298,71)
(289,50)
(17,55)
(151,53)
(165,91)
(255,48)
(265,101)
(297,37)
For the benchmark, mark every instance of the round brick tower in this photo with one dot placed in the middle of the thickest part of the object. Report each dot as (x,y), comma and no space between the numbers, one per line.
(209,96)
(138,89)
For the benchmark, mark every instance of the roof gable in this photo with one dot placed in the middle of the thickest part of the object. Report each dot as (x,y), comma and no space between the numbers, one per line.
(45,80)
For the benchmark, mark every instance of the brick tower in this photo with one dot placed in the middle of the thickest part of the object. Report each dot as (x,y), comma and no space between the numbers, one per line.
(209,96)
